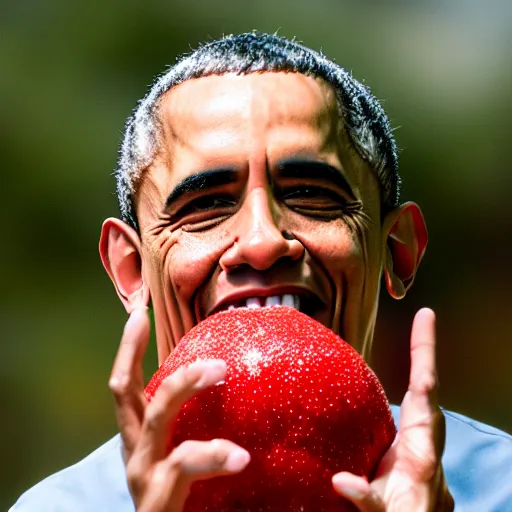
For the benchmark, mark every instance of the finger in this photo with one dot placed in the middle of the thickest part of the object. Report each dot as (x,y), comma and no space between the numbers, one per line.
(172,394)
(422,426)
(126,380)
(423,377)
(198,460)
(191,461)
(420,402)
(358,491)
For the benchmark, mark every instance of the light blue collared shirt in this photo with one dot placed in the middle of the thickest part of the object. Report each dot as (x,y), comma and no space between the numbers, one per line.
(477,462)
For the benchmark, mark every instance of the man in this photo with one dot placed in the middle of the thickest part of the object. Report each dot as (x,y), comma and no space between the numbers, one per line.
(257,168)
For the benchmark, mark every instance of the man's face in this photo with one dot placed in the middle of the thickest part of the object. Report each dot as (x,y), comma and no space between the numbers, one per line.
(257,193)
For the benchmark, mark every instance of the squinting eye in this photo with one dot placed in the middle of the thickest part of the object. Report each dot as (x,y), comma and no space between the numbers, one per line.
(204,212)
(315,198)
(206,204)
(209,203)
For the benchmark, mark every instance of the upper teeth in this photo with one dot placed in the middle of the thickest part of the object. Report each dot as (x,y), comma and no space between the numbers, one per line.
(287,299)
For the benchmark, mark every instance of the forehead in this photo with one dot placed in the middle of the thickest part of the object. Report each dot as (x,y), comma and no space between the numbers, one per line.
(235,95)
(215,116)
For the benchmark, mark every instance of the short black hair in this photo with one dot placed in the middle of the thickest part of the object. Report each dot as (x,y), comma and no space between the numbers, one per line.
(364,118)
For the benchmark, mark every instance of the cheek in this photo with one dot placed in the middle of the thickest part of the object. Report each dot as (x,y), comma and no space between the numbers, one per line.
(192,259)
(334,245)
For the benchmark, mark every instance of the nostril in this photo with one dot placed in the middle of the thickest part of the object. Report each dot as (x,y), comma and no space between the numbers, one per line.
(261,249)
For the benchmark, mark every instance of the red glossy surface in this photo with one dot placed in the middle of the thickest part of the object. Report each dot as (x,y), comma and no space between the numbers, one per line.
(297,397)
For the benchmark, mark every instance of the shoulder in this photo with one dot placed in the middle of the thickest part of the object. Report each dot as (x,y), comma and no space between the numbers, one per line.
(94,484)
(477,461)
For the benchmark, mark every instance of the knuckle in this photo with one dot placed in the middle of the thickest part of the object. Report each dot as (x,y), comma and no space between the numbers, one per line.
(180,383)
(153,416)
(134,476)
(160,476)
(190,376)
(171,384)
(180,454)
(168,395)
(427,382)
(219,447)
(219,455)
(119,386)
(217,444)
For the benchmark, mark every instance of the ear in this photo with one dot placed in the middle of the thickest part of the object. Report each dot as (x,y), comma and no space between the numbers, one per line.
(120,253)
(406,241)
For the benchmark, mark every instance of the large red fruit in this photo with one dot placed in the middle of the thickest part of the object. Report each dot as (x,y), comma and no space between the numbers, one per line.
(297,397)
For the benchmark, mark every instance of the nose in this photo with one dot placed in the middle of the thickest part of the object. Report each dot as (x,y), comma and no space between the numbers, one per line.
(259,241)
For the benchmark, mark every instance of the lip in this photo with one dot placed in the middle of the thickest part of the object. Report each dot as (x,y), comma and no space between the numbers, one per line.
(311,299)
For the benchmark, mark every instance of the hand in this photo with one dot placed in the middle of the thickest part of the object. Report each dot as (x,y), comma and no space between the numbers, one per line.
(410,477)
(159,480)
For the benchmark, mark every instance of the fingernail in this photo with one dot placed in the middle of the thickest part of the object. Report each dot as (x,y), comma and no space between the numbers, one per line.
(237,460)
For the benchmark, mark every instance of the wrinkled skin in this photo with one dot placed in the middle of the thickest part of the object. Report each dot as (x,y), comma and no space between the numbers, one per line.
(278,218)
(252,124)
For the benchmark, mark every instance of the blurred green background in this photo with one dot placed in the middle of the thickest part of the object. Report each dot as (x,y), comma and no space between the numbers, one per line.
(70,73)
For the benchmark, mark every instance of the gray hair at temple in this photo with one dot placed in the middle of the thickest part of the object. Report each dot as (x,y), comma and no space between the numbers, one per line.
(365,120)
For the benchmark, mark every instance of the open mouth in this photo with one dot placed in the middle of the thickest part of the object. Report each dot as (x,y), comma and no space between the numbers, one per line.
(307,304)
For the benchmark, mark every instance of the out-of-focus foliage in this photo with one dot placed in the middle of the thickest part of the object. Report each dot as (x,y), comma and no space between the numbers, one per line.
(70,73)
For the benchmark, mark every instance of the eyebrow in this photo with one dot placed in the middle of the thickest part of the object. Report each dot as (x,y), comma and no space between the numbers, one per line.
(203,180)
(313,170)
